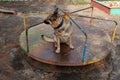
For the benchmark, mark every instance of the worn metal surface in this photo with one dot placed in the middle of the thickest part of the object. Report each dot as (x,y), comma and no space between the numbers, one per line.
(8,11)
(98,46)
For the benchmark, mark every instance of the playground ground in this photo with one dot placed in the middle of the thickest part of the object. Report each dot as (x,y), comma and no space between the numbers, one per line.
(13,63)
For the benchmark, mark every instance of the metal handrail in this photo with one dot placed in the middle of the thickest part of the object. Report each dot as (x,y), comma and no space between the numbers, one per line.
(86,37)
(115,27)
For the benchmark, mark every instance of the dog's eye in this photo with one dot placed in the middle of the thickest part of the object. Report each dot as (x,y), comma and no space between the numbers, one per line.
(53,19)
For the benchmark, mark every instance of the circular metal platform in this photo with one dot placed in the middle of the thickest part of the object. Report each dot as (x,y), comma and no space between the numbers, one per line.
(97,49)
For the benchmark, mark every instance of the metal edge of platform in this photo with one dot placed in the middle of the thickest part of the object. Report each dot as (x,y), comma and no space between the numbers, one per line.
(83,64)
(54,63)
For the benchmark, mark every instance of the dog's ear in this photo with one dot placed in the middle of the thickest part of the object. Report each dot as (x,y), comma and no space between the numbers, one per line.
(56,11)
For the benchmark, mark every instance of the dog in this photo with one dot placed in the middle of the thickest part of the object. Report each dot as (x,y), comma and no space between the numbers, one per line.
(63,30)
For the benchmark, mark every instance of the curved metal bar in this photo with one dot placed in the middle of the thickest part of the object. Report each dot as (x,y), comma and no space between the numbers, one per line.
(34,25)
(115,27)
(86,38)
(26,31)
(81,9)
(114,33)
(40,12)
(97,18)
(6,11)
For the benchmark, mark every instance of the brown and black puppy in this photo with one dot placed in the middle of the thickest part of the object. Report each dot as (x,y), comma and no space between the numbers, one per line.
(62,30)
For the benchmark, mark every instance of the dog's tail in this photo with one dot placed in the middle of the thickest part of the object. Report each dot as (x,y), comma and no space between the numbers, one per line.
(47,39)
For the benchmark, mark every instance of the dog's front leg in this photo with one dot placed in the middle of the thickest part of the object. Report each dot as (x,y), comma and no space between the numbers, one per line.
(58,46)
(70,42)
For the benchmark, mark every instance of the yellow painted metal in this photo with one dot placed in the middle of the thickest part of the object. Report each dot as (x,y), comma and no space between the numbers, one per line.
(25,28)
(66,15)
(114,33)
(49,12)
(24,21)
(95,60)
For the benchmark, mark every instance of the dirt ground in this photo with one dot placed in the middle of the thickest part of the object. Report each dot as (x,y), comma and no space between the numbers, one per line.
(14,65)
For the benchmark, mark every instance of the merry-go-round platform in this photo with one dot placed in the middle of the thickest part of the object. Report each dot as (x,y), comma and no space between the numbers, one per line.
(98,46)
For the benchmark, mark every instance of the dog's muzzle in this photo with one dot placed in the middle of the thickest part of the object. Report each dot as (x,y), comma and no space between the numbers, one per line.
(46,22)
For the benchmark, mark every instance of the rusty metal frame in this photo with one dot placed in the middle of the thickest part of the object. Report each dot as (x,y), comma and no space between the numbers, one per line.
(6,11)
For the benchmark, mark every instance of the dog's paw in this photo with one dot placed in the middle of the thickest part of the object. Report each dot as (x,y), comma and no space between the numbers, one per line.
(72,47)
(57,51)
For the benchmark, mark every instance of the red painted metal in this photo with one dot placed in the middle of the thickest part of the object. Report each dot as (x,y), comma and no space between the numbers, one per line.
(100,6)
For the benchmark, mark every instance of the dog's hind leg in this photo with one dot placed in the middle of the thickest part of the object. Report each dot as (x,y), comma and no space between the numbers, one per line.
(47,39)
